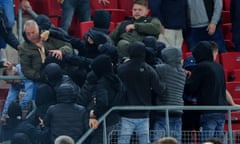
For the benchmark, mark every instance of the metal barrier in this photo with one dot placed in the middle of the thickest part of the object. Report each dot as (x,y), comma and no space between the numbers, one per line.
(229,109)
(12,78)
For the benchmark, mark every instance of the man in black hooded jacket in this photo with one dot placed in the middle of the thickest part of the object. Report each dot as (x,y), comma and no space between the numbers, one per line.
(139,79)
(207,83)
(100,92)
(66,117)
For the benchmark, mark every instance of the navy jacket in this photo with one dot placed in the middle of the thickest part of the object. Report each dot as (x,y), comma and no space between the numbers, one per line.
(172,13)
(235,19)
(6,32)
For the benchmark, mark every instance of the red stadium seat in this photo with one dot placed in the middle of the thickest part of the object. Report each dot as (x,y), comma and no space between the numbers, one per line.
(226,29)
(16,6)
(126,5)
(96,5)
(230,60)
(112,26)
(226,17)
(47,7)
(226,5)
(185,47)
(234,89)
(236,74)
(229,45)
(55,20)
(3,95)
(84,27)
(186,54)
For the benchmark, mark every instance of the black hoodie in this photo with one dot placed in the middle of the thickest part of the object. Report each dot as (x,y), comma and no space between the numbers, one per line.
(139,79)
(207,81)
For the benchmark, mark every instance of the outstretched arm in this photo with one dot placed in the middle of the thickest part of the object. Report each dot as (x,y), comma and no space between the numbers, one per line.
(25,4)
(230,100)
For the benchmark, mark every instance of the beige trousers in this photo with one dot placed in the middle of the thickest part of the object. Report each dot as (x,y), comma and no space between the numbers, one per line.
(172,38)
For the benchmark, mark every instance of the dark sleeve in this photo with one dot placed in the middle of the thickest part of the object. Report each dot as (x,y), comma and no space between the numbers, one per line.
(6,31)
(155,7)
(59,34)
(233,10)
(87,90)
(48,117)
(79,61)
(11,40)
(194,83)
(1,133)
(101,99)
(1,64)
(157,85)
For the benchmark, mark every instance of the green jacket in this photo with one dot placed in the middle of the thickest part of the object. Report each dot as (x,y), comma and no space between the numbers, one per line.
(144,26)
(30,58)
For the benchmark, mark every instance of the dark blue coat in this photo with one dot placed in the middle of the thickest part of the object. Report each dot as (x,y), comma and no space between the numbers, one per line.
(235,18)
(172,13)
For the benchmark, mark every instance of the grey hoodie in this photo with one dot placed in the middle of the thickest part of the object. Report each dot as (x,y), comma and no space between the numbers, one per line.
(173,75)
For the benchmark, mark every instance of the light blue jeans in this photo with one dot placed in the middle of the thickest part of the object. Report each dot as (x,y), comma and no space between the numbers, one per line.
(129,125)
(212,125)
(28,86)
(9,11)
(69,7)
(175,126)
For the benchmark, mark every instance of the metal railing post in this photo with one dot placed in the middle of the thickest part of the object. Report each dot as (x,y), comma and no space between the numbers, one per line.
(20,21)
(104,132)
(167,122)
(230,127)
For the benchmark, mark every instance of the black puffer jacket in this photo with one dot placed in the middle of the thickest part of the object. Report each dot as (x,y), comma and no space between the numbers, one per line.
(66,117)
(104,89)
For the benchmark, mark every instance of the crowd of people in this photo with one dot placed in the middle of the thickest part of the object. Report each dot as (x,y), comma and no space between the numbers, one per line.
(74,81)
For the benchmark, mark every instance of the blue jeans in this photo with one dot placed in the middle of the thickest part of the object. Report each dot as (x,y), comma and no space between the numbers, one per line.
(212,125)
(175,126)
(69,7)
(129,125)
(195,35)
(28,86)
(9,12)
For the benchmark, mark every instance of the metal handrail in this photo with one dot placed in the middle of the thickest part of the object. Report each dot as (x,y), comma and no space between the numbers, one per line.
(166,109)
(229,109)
(12,77)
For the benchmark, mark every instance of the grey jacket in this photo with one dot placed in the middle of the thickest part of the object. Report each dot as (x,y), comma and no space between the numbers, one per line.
(198,16)
(173,75)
